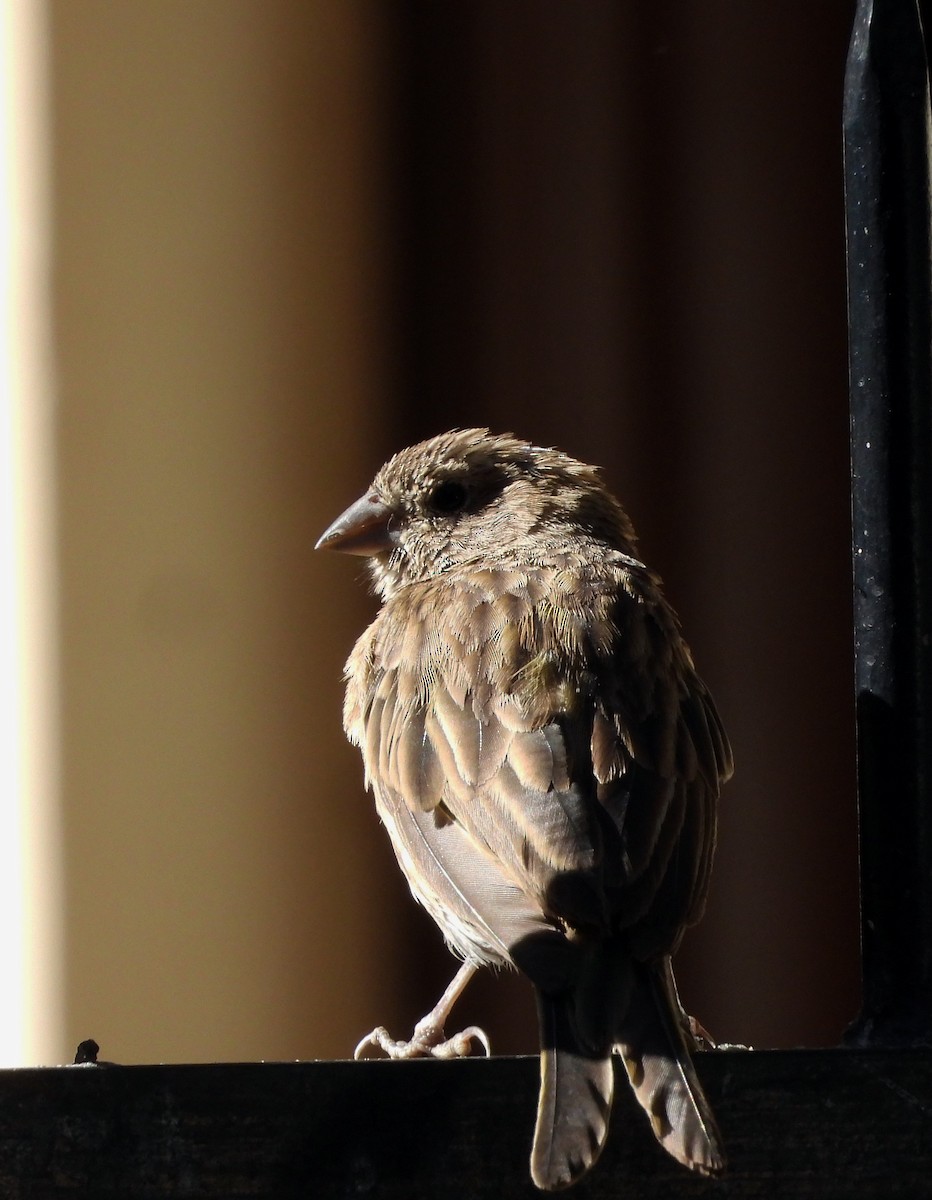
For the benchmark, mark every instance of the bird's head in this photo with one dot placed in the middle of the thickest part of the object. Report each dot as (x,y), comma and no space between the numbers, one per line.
(469,497)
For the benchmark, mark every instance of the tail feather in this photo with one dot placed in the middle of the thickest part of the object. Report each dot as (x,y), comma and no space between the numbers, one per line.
(576,1085)
(653,1046)
(617,1003)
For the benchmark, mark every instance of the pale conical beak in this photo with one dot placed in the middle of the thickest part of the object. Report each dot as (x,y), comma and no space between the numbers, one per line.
(362,529)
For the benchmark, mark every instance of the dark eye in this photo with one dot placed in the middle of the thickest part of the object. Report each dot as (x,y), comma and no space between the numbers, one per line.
(448,497)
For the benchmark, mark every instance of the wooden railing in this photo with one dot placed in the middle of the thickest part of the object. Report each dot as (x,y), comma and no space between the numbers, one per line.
(823,1124)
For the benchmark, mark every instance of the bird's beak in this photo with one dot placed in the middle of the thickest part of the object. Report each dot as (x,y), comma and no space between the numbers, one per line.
(362,529)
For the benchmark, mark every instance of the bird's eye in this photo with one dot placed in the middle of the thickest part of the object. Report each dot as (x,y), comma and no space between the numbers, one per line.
(448,497)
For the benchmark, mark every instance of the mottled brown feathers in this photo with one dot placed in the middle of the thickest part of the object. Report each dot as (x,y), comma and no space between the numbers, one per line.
(547,764)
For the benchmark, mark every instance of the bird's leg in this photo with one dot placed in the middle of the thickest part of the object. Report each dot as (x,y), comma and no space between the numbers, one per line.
(697,1038)
(428,1037)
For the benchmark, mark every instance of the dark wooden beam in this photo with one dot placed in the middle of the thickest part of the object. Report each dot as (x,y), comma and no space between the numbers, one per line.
(797,1124)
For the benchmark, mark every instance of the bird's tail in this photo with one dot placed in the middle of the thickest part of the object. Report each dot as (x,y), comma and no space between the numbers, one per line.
(617,1003)
(576,1084)
(651,1039)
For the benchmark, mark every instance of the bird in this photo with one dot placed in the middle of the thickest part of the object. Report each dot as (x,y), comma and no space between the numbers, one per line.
(547,764)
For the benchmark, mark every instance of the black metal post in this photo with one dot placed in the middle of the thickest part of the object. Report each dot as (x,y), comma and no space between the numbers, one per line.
(887,186)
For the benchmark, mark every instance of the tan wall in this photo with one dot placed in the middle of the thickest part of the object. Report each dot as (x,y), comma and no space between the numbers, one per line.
(219,294)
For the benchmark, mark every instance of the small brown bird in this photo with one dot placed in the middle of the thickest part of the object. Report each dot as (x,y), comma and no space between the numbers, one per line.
(547,763)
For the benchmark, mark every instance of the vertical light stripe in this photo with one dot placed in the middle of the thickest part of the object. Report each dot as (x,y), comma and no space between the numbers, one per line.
(30,996)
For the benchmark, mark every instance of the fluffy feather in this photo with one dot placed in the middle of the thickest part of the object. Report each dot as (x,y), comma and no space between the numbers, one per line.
(546,762)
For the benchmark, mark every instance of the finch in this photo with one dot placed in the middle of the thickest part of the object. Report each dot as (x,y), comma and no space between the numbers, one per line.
(547,764)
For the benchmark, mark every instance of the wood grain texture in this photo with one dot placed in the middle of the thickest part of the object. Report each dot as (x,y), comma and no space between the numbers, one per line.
(797,1124)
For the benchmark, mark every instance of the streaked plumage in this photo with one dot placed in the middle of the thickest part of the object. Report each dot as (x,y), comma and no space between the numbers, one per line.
(547,763)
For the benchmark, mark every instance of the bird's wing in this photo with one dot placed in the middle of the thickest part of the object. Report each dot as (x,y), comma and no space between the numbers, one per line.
(551,724)
(659,757)
(455,701)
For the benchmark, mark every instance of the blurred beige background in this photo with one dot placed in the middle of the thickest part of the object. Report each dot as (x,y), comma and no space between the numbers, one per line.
(220,308)
(290,236)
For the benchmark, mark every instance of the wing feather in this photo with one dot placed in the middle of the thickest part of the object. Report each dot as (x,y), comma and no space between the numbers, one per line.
(482,913)
(530,756)
(563,730)
(418,770)
(462,733)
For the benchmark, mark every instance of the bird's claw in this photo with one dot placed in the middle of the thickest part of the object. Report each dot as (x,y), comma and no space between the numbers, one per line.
(460,1045)
(701,1038)
(427,1041)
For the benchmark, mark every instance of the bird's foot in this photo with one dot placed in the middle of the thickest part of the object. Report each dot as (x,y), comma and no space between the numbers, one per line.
(427,1041)
(701,1038)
